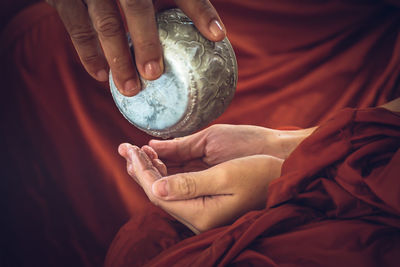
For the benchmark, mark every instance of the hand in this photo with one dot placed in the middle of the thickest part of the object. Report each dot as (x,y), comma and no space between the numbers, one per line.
(97,32)
(223,142)
(205,199)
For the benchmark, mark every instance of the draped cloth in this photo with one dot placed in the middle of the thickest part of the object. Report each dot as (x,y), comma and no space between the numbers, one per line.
(337,203)
(65,192)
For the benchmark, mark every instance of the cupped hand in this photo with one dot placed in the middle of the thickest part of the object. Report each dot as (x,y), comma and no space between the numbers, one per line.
(97,31)
(204,199)
(223,142)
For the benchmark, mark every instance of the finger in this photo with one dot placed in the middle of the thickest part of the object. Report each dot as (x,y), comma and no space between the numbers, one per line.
(76,20)
(181,149)
(150,152)
(108,24)
(205,17)
(160,166)
(143,169)
(142,26)
(123,150)
(191,185)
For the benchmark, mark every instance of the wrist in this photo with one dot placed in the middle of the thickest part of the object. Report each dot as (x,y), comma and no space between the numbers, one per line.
(285,142)
(291,139)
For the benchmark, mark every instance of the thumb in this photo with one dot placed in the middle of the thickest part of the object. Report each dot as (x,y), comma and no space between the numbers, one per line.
(191,185)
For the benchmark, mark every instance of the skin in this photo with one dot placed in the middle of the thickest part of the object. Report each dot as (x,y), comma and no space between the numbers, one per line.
(97,31)
(220,181)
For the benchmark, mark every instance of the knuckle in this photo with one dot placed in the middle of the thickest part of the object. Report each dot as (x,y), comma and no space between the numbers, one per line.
(82,36)
(139,6)
(90,58)
(109,25)
(130,170)
(121,64)
(147,45)
(212,130)
(209,160)
(187,186)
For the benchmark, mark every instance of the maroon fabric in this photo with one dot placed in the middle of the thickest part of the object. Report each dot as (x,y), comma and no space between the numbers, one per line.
(302,61)
(337,203)
(64,189)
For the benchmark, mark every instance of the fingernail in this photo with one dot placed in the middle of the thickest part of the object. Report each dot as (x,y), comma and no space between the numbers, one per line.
(152,69)
(159,188)
(131,87)
(216,29)
(102,75)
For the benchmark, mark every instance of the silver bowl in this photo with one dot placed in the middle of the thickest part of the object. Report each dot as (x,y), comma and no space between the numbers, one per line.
(196,87)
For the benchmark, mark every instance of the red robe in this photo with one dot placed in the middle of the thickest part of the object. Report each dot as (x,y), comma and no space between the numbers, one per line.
(64,190)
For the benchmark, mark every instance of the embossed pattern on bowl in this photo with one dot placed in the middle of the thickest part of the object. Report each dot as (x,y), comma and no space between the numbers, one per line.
(196,87)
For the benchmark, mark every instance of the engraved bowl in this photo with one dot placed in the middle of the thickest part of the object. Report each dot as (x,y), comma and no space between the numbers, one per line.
(196,87)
